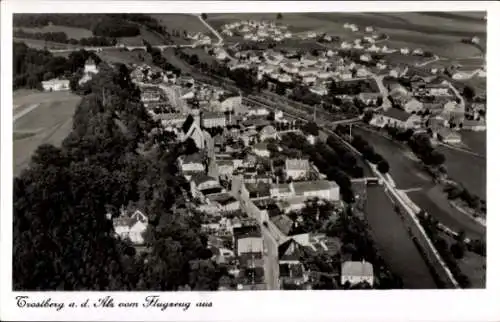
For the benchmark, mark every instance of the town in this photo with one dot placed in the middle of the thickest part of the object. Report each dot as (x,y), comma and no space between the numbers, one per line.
(272,151)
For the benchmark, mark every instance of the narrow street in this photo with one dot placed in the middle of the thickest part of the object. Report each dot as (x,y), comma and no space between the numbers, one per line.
(271,265)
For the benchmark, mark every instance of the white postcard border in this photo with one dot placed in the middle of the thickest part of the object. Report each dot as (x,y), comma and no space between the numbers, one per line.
(439,305)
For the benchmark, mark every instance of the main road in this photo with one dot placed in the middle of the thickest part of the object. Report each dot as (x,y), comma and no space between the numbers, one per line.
(271,260)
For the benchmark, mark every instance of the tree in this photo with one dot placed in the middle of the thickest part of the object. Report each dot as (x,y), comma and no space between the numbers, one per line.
(190,146)
(204,16)
(311,128)
(457,250)
(469,93)
(383,166)
(279,16)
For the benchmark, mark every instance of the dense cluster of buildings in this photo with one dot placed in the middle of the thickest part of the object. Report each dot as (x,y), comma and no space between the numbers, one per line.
(258,31)
(238,188)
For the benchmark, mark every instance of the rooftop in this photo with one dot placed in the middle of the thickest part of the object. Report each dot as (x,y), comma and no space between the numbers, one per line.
(201,178)
(397,114)
(193,158)
(246,232)
(357,268)
(306,186)
(283,223)
(297,164)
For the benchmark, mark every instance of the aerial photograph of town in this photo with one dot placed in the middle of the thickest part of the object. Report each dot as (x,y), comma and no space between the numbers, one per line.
(249,151)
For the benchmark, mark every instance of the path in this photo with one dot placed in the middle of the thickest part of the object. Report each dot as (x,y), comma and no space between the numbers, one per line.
(24,112)
(221,40)
(433,60)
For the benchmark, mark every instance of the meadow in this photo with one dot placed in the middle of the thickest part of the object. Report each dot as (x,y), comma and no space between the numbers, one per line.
(71,32)
(181,22)
(50,122)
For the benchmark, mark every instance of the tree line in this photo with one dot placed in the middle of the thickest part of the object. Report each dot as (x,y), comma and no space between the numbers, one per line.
(101,25)
(62,37)
(62,237)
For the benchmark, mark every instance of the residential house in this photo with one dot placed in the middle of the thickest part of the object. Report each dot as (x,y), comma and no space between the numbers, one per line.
(248,240)
(474,125)
(131,225)
(261,150)
(290,68)
(284,78)
(357,272)
(90,67)
(202,184)
(55,85)
(213,119)
(282,191)
(404,51)
(365,57)
(308,60)
(373,48)
(224,202)
(319,90)
(397,118)
(413,105)
(362,72)
(291,268)
(369,98)
(296,168)
(345,45)
(321,189)
(268,132)
(448,136)
(191,164)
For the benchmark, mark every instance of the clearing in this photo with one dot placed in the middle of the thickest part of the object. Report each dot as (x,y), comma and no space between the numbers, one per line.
(203,56)
(71,32)
(49,122)
(42,44)
(181,23)
(150,36)
(138,57)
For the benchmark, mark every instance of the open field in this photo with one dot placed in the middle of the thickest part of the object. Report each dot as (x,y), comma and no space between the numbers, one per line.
(41,44)
(71,32)
(125,57)
(182,22)
(50,122)
(407,173)
(149,36)
(203,56)
(474,176)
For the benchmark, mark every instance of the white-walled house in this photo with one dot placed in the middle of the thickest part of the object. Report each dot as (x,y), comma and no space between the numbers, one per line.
(131,226)
(357,272)
(55,85)
(396,118)
(296,168)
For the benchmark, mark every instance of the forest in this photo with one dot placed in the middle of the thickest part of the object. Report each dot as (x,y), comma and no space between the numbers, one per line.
(62,238)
